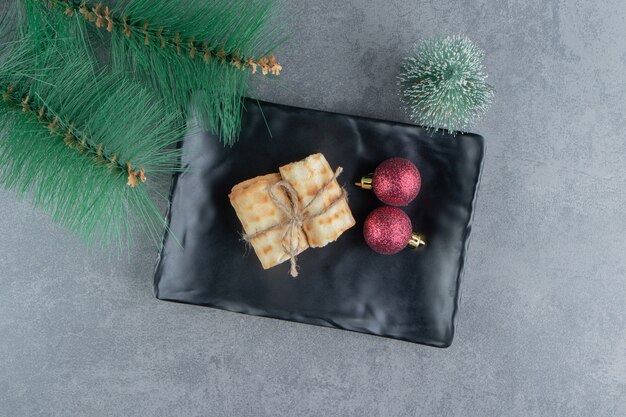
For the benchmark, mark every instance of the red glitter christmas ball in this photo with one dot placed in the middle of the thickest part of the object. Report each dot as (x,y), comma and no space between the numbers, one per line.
(396,182)
(387,230)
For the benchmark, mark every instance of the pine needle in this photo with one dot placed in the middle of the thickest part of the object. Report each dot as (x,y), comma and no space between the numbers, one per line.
(193,51)
(85,145)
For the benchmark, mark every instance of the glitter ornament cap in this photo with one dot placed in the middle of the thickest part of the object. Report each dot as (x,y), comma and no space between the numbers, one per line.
(388,230)
(396,182)
(417,241)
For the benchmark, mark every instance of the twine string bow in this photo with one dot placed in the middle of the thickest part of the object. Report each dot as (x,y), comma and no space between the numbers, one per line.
(296,217)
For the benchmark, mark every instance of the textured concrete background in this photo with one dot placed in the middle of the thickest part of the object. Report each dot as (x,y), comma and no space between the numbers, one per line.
(541,330)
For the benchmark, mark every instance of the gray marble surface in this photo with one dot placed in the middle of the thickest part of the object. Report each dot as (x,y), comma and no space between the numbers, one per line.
(541,330)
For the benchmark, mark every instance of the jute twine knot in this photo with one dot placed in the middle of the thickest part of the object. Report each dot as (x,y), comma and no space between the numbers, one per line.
(296,217)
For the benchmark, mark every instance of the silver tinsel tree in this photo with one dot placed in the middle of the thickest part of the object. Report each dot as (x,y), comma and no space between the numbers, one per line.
(443,83)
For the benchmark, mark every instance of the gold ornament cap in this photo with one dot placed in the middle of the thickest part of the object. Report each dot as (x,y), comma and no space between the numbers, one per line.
(366,182)
(416,242)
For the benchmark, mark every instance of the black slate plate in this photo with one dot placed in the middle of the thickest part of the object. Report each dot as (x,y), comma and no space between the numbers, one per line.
(411,296)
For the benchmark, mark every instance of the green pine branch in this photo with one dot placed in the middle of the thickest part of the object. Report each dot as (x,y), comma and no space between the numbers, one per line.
(86,145)
(166,38)
(194,51)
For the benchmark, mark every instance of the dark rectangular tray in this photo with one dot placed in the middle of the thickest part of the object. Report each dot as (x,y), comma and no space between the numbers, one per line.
(411,296)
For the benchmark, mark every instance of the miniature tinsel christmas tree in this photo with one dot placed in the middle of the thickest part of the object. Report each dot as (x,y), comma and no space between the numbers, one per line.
(85,145)
(191,51)
(443,83)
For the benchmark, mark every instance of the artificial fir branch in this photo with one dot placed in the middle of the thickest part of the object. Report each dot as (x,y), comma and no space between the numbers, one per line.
(69,135)
(101,16)
(196,53)
(82,142)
